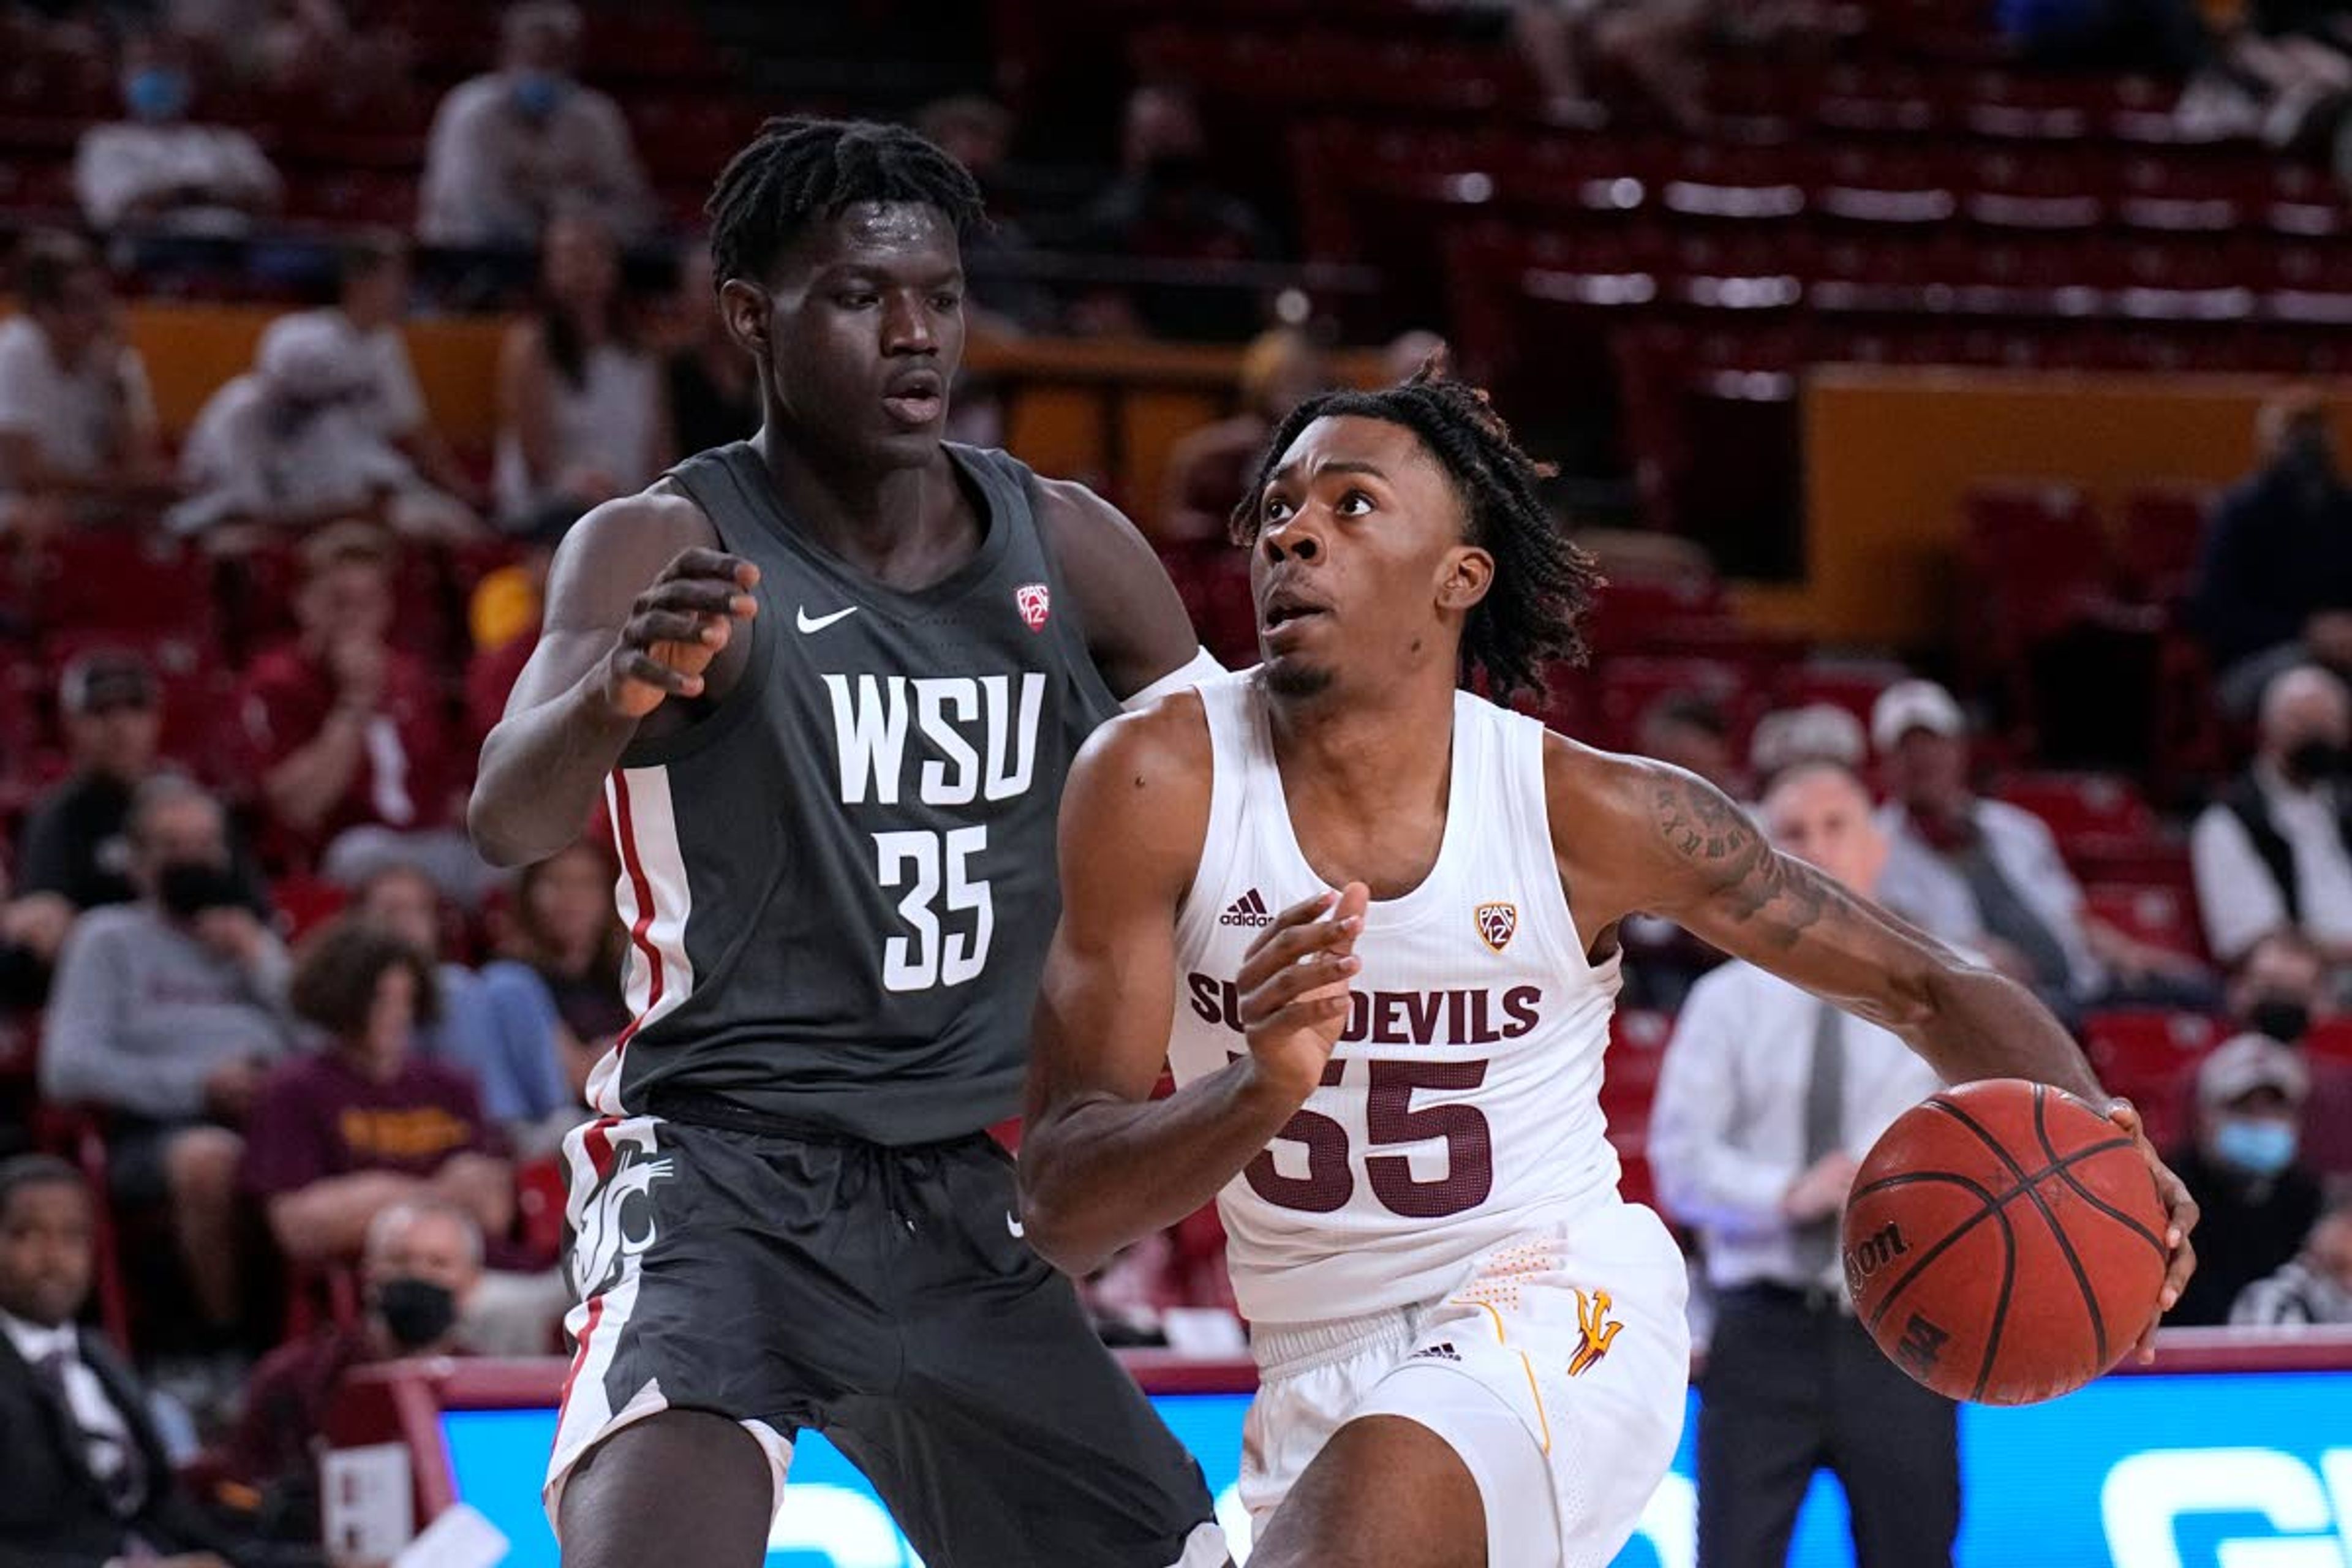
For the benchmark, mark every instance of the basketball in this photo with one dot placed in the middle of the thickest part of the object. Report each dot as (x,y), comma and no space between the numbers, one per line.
(2004,1242)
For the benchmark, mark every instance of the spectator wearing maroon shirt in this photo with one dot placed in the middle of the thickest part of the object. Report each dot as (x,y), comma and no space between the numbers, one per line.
(338,1137)
(348,735)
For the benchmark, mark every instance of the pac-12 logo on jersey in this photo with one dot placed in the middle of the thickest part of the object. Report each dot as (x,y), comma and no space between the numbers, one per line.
(1034,603)
(1498,923)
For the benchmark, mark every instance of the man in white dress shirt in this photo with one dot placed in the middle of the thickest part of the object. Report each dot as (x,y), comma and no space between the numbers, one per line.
(1767,1100)
(2273,853)
(88,1481)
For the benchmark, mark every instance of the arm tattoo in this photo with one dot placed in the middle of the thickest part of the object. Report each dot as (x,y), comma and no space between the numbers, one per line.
(1754,882)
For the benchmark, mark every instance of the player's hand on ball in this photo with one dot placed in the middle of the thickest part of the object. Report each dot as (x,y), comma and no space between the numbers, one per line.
(2179,1208)
(676,628)
(1294,986)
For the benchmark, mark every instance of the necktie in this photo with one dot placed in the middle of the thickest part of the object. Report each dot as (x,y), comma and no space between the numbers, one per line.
(115,1462)
(1817,1242)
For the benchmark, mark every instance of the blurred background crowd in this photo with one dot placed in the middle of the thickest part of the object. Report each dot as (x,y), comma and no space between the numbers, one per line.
(325,319)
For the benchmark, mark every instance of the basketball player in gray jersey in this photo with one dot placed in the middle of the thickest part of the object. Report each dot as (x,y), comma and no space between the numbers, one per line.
(829,682)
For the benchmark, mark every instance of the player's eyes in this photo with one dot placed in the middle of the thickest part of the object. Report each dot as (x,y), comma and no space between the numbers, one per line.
(1275,509)
(946,302)
(859,301)
(1355,503)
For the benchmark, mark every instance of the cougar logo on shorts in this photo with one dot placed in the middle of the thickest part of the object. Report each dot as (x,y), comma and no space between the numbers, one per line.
(1034,603)
(1600,1331)
(609,1232)
(1498,923)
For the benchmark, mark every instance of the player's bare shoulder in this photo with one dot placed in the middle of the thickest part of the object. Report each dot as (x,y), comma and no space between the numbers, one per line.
(1138,799)
(614,552)
(1632,834)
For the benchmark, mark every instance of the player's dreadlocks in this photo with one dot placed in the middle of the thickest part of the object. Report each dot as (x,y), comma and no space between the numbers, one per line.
(1544,582)
(797,172)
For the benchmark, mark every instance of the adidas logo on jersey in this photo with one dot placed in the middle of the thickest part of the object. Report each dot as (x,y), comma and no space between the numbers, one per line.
(1249,909)
(1444,1351)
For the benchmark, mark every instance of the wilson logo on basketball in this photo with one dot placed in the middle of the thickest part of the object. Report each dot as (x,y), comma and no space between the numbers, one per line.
(1498,923)
(1035,604)
(1874,1253)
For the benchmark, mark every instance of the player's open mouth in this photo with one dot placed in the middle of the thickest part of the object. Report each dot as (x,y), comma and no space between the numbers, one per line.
(1286,610)
(916,399)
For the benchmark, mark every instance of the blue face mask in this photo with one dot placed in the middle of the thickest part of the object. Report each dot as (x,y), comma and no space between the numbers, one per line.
(157,92)
(539,94)
(2256,1144)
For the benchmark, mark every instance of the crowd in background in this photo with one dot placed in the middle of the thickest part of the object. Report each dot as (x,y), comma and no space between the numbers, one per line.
(327,1052)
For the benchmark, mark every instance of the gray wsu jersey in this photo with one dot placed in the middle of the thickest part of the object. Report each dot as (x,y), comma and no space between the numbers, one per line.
(839,885)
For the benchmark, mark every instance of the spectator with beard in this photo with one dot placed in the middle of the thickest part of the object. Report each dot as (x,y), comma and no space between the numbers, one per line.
(2273,852)
(2273,584)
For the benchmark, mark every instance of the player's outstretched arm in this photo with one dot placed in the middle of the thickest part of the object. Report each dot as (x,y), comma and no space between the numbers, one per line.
(641,606)
(1102,1163)
(1632,836)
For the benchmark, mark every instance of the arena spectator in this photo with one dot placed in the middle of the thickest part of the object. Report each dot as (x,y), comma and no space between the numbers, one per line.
(498,1022)
(2313,1290)
(420,1271)
(2273,583)
(1208,467)
(1166,205)
(364,325)
(512,148)
(564,929)
(2272,852)
(339,1135)
(295,442)
(74,854)
(164,1014)
(1816,733)
(157,168)
(1987,876)
(1688,729)
(78,432)
(2281,990)
(714,392)
(2258,1200)
(583,412)
(89,1483)
(978,132)
(347,733)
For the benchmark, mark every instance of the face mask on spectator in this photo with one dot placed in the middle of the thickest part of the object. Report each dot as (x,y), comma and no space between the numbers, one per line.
(2256,1144)
(157,92)
(2316,758)
(415,1313)
(189,888)
(2285,1020)
(538,94)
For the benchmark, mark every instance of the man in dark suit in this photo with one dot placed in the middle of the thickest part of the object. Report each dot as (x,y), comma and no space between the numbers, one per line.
(88,1484)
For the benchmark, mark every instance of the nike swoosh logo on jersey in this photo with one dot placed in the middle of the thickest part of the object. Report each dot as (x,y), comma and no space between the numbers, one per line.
(821,622)
(1015,1225)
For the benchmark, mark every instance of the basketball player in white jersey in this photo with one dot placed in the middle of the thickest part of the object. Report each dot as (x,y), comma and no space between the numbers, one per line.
(1381,913)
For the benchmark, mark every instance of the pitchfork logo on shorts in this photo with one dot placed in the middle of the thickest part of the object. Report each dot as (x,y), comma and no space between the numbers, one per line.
(1498,923)
(1034,603)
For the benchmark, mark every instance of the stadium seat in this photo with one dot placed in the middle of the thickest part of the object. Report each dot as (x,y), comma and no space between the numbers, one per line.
(2076,805)
(2158,916)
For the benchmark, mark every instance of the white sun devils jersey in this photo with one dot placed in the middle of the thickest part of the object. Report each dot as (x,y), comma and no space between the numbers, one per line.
(1463,1105)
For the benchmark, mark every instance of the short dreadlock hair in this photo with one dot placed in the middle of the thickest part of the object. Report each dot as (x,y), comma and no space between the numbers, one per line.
(799,173)
(1544,582)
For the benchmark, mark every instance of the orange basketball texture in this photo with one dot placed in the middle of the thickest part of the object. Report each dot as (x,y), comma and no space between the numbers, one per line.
(2004,1242)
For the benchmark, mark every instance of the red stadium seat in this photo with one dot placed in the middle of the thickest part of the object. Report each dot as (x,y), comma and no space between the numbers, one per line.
(2076,805)
(2331,1038)
(2146,1056)
(2158,916)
